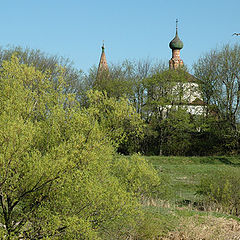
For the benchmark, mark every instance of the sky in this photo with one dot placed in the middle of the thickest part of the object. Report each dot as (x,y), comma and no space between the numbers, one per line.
(131,29)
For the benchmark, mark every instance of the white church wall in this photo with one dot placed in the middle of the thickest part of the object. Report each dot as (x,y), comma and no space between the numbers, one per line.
(187,91)
(192,109)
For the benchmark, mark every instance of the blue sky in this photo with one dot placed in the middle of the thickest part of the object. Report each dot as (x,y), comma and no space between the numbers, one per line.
(131,29)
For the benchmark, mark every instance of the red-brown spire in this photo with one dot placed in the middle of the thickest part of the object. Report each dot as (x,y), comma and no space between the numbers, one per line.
(103,62)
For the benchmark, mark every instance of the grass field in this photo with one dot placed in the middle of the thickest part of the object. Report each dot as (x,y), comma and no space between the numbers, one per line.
(182,219)
(186,172)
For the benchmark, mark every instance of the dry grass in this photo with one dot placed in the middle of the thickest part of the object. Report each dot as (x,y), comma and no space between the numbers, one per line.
(206,228)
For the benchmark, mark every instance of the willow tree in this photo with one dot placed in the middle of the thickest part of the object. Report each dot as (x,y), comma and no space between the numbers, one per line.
(56,157)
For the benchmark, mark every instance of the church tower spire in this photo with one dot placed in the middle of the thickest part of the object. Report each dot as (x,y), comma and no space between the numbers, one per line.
(102,67)
(176,45)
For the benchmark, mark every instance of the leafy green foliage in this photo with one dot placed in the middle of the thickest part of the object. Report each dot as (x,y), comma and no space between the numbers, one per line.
(45,63)
(221,191)
(219,73)
(58,169)
(154,224)
(176,133)
(137,175)
(55,160)
(171,128)
(117,118)
(60,177)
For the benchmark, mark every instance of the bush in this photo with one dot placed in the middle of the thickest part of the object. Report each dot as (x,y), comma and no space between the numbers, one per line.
(154,224)
(55,160)
(222,191)
(140,178)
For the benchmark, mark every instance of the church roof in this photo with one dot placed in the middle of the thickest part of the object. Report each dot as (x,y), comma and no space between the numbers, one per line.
(176,43)
(197,102)
(191,78)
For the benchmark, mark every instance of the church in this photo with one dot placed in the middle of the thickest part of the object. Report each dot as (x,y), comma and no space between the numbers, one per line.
(191,99)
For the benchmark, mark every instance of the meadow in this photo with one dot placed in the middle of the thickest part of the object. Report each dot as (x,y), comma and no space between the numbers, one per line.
(182,213)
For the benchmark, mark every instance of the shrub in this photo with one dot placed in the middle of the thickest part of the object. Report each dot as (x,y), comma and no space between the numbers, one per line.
(154,224)
(55,160)
(222,191)
(139,177)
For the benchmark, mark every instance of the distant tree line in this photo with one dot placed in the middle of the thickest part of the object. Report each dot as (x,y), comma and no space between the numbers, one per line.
(147,86)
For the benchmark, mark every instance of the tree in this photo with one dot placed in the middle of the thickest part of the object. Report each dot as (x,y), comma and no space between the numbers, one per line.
(117,118)
(176,132)
(219,72)
(166,112)
(125,80)
(55,160)
(44,63)
(116,81)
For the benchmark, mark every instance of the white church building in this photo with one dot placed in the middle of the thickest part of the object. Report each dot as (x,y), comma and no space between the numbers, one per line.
(187,93)
(191,96)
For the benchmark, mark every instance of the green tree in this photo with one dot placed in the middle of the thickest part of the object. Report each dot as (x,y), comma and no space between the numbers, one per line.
(176,132)
(124,79)
(55,161)
(116,82)
(219,72)
(117,118)
(169,123)
(44,63)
